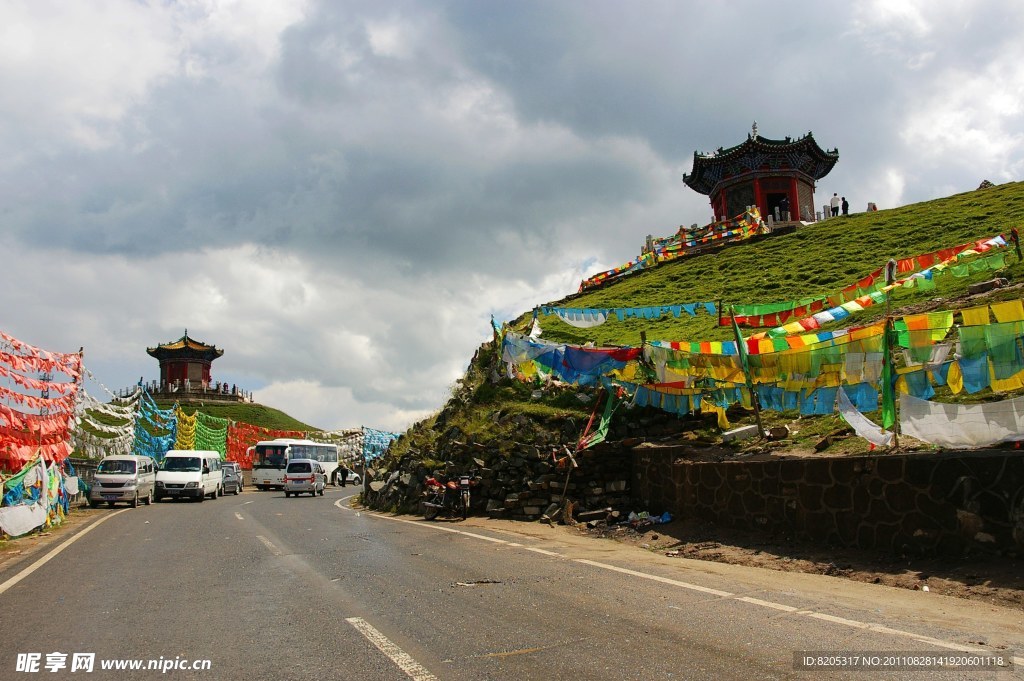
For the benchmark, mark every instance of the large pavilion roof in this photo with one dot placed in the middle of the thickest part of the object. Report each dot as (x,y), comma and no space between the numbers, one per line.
(185,347)
(801,155)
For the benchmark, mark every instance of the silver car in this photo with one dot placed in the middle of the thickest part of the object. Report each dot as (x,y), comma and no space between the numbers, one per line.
(232,477)
(304,475)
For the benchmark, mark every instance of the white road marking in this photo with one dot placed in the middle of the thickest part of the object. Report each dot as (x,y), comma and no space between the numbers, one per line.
(868,626)
(273,549)
(413,669)
(239,515)
(656,578)
(42,561)
(246,502)
(480,536)
(767,604)
(544,552)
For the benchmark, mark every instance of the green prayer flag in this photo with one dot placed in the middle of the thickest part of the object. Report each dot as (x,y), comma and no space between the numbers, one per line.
(888,388)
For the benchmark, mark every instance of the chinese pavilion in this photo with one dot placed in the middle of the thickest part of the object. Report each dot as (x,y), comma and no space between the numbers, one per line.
(762,172)
(185,359)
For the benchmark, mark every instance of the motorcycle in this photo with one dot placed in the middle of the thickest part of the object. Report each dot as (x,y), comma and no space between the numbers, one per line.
(451,496)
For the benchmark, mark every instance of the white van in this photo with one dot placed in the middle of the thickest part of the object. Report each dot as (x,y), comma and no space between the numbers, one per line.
(123,478)
(194,474)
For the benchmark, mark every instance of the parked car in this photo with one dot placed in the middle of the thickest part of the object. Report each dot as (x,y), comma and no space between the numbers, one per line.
(232,477)
(304,475)
(123,478)
(195,474)
(351,478)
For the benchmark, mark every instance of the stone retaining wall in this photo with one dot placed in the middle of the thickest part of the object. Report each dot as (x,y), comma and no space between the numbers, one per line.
(522,486)
(935,503)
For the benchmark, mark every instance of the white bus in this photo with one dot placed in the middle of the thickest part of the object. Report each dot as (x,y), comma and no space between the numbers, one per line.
(272,456)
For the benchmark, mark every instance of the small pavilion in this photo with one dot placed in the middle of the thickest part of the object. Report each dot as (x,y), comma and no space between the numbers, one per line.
(185,359)
(762,172)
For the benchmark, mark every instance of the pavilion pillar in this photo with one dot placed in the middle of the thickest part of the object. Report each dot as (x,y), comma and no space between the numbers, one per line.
(795,209)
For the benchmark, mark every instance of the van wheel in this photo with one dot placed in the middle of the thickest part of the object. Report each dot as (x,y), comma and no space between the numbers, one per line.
(287,494)
(135,501)
(201,498)
(93,503)
(110,504)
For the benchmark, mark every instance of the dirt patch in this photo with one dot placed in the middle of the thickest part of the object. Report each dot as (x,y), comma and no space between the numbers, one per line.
(990,578)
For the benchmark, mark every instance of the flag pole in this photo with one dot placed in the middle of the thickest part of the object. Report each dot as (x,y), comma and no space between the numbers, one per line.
(890,367)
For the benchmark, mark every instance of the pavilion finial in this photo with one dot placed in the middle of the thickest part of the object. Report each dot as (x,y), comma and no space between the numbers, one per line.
(753,130)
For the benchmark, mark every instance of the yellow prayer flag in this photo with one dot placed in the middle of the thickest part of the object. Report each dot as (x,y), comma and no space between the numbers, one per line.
(975,316)
(1010,311)
(866,332)
(1005,385)
(955,378)
(939,323)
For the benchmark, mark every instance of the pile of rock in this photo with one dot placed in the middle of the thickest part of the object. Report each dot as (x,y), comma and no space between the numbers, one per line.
(523,485)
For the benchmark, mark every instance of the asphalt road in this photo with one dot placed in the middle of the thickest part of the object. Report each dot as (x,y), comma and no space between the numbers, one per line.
(265,587)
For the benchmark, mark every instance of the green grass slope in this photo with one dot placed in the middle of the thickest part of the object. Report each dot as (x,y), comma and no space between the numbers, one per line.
(818,259)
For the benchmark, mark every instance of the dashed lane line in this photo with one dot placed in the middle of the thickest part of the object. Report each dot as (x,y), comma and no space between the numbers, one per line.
(413,669)
(269,544)
(239,515)
(855,624)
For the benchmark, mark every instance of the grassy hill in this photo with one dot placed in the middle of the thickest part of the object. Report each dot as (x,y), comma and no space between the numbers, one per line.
(816,260)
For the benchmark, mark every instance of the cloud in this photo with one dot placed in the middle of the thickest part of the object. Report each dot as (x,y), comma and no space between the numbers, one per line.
(340,195)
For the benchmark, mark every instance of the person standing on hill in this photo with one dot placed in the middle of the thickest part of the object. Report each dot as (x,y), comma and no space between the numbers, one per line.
(835,204)
(784,209)
(846,206)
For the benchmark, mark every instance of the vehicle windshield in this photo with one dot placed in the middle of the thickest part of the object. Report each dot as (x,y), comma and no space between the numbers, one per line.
(116,466)
(269,456)
(299,467)
(187,464)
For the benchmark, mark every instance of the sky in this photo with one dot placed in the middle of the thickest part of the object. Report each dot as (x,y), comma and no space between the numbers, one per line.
(340,194)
